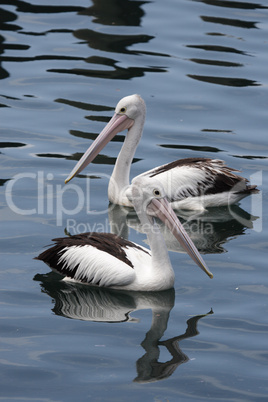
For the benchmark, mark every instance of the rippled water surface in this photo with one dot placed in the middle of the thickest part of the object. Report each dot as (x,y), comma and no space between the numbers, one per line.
(201,67)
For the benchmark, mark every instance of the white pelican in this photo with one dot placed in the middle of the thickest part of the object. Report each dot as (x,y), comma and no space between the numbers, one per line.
(104,259)
(191,183)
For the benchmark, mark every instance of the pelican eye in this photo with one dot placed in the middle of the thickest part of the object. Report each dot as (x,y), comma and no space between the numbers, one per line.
(123,110)
(156,192)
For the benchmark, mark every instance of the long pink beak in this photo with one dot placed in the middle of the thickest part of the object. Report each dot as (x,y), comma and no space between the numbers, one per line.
(161,208)
(117,123)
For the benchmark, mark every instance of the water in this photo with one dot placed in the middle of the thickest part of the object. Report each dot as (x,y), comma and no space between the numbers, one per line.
(201,67)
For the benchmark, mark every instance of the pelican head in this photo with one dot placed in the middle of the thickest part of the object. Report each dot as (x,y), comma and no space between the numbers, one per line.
(149,198)
(129,110)
(132,106)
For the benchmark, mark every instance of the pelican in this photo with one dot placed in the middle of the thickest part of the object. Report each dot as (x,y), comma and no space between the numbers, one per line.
(191,183)
(106,260)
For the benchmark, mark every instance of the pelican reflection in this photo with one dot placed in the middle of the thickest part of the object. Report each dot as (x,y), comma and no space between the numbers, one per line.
(88,303)
(209,231)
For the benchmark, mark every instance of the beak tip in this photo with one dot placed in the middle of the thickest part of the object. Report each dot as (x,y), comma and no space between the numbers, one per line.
(69,178)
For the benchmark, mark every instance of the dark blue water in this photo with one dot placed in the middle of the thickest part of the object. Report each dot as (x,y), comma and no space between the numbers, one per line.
(201,67)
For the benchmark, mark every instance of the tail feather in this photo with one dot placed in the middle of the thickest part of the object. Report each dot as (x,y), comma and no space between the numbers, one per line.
(250,189)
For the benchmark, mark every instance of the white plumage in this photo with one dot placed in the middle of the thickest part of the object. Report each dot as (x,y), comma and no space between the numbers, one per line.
(191,183)
(93,262)
(106,260)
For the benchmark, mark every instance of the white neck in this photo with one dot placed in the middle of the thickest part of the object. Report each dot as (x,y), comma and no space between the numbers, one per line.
(119,180)
(161,265)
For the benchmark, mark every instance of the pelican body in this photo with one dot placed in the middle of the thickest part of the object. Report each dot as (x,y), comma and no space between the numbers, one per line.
(191,183)
(106,260)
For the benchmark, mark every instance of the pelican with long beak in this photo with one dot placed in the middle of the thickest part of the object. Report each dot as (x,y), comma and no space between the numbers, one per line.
(106,260)
(191,183)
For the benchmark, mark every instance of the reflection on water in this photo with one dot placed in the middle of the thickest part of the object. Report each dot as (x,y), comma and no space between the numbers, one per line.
(109,43)
(221,63)
(229,21)
(106,305)
(209,231)
(227,81)
(116,12)
(90,303)
(148,367)
(232,4)
(130,14)
(217,49)
(28,8)
(201,65)
(197,148)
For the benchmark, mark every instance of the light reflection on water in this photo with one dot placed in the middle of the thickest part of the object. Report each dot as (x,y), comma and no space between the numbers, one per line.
(201,66)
